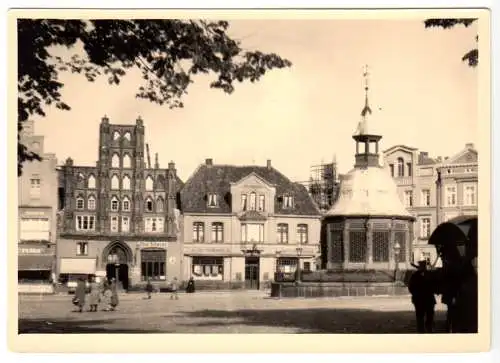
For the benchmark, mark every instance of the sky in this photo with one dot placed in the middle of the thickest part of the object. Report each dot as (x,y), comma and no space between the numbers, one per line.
(421,92)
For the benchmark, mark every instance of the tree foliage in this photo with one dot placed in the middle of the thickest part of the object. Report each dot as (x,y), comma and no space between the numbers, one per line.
(471,57)
(169,53)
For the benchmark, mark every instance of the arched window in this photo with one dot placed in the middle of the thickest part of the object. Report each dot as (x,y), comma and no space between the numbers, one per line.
(149,183)
(148,205)
(115,161)
(91,203)
(80,203)
(116,135)
(127,136)
(126,204)
(126,183)
(159,205)
(115,182)
(91,182)
(126,161)
(115,204)
(401,167)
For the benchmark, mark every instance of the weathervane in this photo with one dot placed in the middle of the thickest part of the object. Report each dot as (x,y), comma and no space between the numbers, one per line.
(367,108)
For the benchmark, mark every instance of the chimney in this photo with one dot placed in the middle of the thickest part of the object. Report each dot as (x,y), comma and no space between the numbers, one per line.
(469,145)
(269,166)
(208,162)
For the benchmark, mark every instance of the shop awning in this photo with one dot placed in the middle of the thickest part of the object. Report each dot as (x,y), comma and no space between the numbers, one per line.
(85,266)
(35,263)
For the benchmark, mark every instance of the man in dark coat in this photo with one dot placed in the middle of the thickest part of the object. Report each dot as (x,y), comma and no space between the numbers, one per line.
(421,288)
(190,286)
(80,294)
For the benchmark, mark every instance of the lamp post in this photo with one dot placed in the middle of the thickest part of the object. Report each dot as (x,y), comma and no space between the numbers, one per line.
(277,265)
(397,249)
(299,253)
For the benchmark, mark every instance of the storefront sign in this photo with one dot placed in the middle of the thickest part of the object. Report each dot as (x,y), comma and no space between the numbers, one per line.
(34,213)
(33,251)
(159,244)
(207,251)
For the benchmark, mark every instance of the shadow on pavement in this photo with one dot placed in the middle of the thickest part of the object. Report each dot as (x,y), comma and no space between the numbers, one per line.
(51,326)
(319,320)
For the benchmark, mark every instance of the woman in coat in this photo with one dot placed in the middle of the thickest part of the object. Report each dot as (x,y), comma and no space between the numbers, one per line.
(190,286)
(80,293)
(106,295)
(114,295)
(95,295)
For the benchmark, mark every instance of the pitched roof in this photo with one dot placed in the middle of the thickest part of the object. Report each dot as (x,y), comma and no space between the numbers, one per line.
(217,178)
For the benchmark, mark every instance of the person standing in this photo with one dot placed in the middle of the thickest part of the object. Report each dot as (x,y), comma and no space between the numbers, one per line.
(95,295)
(173,287)
(149,288)
(114,295)
(106,293)
(80,294)
(190,286)
(421,288)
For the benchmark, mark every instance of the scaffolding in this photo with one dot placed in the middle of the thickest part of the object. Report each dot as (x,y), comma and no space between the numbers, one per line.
(323,184)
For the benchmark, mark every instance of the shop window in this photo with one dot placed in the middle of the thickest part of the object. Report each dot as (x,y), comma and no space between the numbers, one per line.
(380,246)
(82,248)
(357,246)
(287,265)
(208,268)
(153,265)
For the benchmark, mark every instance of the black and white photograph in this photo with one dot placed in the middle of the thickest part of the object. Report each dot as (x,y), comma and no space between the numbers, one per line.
(217,173)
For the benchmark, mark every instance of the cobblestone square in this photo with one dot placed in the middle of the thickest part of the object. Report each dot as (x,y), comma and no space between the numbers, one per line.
(224,312)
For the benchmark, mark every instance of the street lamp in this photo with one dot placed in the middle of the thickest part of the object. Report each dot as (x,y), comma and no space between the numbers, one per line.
(397,249)
(277,265)
(299,253)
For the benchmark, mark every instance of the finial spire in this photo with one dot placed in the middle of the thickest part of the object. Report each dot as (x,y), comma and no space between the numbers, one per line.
(366,108)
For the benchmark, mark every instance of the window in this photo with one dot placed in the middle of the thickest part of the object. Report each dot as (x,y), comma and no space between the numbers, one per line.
(451,196)
(125,224)
(153,265)
(34,229)
(35,188)
(91,203)
(127,136)
(208,268)
(126,183)
(287,201)
(217,232)
(252,232)
(115,203)
(115,182)
(149,183)
(302,233)
(198,232)
(408,198)
(282,233)
(400,237)
(401,167)
(409,168)
(425,227)
(126,204)
(262,203)
(391,168)
(116,135)
(149,205)
(114,224)
(159,205)
(287,265)
(337,242)
(212,200)
(426,197)
(357,246)
(115,161)
(307,266)
(243,202)
(126,161)
(253,201)
(380,246)
(82,248)
(91,182)
(154,224)
(80,203)
(470,195)
(85,223)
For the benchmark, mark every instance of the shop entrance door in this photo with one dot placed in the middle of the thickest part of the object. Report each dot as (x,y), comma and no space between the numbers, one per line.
(252,273)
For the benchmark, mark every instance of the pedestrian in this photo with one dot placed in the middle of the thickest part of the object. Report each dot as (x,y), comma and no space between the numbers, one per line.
(422,289)
(80,294)
(190,286)
(95,295)
(106,294)
(114,295)
(173,289)
(149,288)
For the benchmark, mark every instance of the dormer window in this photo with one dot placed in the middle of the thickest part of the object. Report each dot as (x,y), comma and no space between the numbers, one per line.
(287,201)
(243,202)
(212,200)
(253,201)
(262,201)
(401,167)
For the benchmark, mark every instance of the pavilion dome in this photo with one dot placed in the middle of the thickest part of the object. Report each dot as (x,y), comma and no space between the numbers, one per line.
(368,191)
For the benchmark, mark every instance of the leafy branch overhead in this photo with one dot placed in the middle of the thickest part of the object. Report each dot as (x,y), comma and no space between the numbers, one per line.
(471,57)
(169,53)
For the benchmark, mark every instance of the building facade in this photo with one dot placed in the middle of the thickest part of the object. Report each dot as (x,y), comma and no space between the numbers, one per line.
(37,208)
(244,223)
(433,190)
(120,218)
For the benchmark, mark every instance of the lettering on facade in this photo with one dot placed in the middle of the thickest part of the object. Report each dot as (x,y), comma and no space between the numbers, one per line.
(158,244)
(32,213)
(201,250)
(31,251)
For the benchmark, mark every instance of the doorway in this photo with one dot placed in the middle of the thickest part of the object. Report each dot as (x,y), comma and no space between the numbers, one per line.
(119,272)
(252,273)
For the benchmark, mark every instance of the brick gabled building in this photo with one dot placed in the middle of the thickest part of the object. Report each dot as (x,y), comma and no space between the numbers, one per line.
(120,218)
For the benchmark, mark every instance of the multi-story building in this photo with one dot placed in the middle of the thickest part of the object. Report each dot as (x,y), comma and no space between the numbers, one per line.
(433,190)
(37,188)
(120,218)
(243,223)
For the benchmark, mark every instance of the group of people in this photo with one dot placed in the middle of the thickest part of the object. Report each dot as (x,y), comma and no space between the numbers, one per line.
(105,293)
(458,290)
(173,288)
